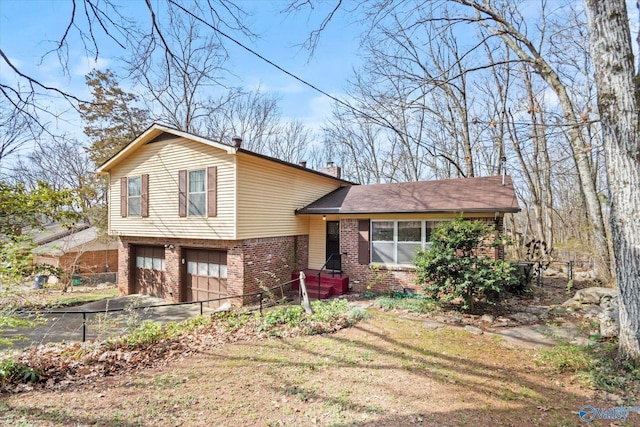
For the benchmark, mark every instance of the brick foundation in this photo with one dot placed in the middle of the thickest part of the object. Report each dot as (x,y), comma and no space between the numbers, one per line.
(251,263)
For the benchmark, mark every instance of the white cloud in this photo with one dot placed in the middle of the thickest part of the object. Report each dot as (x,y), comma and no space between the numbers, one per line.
(86,64)
(293,87)
(284,89)
(317,111)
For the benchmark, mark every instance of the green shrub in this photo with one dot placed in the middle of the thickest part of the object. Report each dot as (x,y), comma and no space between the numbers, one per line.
(594,365)
(357,314)
(12,372)
(327,311)
(324,312)
(415,303)
(289,315)
(452,267)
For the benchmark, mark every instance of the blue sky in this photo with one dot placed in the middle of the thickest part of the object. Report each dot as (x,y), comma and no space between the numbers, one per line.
(28,29)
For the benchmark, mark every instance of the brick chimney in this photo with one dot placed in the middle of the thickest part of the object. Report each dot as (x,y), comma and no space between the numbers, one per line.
(332,170)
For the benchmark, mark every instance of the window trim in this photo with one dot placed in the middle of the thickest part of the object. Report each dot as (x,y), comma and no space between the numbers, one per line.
(141,199)
(423,239)
(136,199)
(203,208)
(210,192)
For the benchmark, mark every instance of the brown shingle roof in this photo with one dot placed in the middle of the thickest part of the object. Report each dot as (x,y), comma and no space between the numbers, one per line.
(486,194)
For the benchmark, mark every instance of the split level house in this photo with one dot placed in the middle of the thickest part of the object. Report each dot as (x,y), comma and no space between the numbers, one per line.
(198,219)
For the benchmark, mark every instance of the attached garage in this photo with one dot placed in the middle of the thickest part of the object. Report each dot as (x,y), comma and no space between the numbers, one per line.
(150,269)
(206,275)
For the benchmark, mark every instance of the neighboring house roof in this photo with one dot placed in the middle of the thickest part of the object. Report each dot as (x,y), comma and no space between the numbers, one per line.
(486,194)
(81,240)
(53,231)
(157,132)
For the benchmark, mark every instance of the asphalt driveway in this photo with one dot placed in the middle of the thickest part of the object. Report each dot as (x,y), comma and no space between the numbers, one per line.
(102,319)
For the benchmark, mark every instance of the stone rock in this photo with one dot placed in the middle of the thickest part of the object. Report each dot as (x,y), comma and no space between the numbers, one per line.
(583,275)
(591,311)
(582,341)
(550,272)
(449,320)
(524,318)
(487,318)
(224,307)
(534,336)
(591,295)
(609,317)
(430,324)
(534,309)
(501,322)
(473,330)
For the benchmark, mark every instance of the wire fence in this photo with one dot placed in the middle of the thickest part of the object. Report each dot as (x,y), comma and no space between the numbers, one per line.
(85,323)
(572,270)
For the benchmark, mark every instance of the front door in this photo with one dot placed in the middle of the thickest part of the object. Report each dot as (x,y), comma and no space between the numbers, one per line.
(333,245)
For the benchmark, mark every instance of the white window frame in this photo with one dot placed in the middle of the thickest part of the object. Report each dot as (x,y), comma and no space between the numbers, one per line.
(134,200)
(202,210)
(424,244)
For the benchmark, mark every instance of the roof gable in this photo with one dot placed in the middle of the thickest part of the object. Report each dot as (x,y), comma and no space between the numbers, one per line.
(158,132)
(486,194)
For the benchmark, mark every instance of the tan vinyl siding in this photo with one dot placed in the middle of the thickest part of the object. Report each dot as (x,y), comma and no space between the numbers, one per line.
(269,193)
(162,160)
(317,242)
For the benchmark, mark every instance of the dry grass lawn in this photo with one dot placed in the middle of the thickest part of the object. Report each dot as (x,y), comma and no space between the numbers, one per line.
(389,370)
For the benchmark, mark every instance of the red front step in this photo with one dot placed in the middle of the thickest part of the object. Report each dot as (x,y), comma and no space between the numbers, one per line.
(338,285)
(325,292)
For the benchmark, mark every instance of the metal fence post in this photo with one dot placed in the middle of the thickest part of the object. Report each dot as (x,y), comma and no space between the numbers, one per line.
(201,309)
(571,270)
(260,303)
(84,326)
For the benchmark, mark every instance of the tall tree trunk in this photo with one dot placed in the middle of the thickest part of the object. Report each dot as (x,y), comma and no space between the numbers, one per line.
(527,52)
(618,104)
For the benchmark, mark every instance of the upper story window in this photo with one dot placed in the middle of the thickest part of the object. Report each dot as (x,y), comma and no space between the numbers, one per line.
(397,242)
(198,192)
(134,196)
(197,196)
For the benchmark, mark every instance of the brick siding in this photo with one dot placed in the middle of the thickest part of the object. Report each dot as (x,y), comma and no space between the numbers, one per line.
(251,263)
(382,279)
(101,261)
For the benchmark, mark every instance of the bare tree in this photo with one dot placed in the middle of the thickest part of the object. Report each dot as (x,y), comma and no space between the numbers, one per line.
(483,23)
(505,21)
(290,143)
(252,115)
(17,130)
(176,80)
(93,23)
(618,88)
(358,144)
(64,165)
